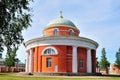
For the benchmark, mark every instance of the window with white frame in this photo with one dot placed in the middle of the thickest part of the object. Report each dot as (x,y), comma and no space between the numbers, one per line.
(55,32)
(48,62)
(49,51)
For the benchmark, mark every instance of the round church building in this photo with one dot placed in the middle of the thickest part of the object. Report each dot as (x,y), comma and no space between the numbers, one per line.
(61,50)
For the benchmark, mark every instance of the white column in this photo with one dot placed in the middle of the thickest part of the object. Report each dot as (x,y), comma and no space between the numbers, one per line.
(30,61)
(74,59)
(89,61)
(27,62)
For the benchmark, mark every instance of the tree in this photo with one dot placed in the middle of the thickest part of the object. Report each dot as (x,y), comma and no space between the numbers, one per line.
(11,58)
(14,17)
(0,55)
(117,61)
(104,63)
(97,63)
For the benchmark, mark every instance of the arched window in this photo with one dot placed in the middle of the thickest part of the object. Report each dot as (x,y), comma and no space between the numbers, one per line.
(49,51)
(55,32)
(70,32)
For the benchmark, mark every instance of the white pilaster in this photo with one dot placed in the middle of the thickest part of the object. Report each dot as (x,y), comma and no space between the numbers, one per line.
(89,61)
(27,63)
(30,61)
(74,59)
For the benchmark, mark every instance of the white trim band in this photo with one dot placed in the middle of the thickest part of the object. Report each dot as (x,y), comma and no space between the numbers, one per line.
(70,41)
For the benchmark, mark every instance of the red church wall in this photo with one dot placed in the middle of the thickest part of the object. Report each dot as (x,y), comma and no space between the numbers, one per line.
(39,61)
(69,59)
(54,62)
(62,31)
(93,54)
(40,58)
(35,60)
(82,54)
(61,58)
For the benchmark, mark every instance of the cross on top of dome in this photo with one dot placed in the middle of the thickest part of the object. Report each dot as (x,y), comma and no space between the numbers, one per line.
(61,16)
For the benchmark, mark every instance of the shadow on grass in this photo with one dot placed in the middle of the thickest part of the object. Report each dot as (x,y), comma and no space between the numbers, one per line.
(3,73)
(6,73)
(109,75)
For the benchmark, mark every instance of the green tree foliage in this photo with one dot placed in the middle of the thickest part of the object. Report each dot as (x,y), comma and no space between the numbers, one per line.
(104,63)
(14,17)
(97,63)
(0,55)
(11,58)
(117,62)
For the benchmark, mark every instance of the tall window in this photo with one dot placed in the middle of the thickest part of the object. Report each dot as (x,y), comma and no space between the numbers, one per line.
(70,32)
(81,63)
(48,62)
(55,32)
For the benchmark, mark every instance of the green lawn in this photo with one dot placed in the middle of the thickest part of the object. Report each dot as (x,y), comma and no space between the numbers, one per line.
(8,76)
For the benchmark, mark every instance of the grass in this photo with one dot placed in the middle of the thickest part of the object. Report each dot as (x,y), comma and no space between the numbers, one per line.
(8,76)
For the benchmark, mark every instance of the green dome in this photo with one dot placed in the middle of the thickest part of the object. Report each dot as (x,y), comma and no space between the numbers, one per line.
(61,21)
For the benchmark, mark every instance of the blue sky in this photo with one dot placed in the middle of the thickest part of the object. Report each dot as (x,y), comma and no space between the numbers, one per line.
(96,19)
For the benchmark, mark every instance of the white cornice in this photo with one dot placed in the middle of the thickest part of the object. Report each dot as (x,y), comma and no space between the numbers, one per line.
(62,40)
